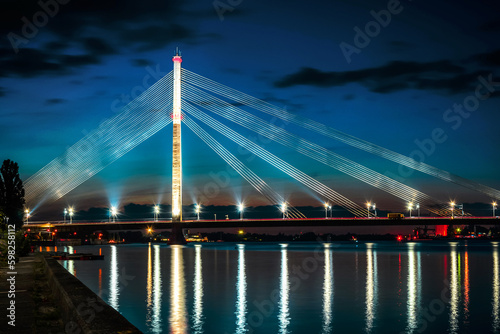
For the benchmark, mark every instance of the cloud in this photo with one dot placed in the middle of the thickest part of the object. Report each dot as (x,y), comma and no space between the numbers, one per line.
(54,101)
(488,58)
(395,76)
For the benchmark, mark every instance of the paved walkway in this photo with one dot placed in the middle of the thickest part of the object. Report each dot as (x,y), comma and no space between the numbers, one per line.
(32,293)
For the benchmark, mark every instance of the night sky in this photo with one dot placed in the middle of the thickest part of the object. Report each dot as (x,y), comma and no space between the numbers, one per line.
(388,72)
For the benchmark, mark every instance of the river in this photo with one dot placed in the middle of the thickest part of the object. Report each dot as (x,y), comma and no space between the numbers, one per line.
(351,287)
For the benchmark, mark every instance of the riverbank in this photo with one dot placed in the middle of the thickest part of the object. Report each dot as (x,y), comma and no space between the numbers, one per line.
(48,299)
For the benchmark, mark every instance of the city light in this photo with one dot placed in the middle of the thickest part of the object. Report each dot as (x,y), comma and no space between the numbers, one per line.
(70,211)
(241,207)
(283,209)
(241,232)
(368,205)
(374,207)
(410,207)
(452,205)
(197,209)
(157,212)
(27,213)
(418,208)
(326,210)
(113,212)
(494,205)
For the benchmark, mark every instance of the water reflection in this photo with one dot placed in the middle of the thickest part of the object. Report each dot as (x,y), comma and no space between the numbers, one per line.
(114,289)
(198,293)
(466,286)
(284,311)
(156,322)
(328,291)
(496,290)
(241,293)
(371,286)
(414,288)
(178,317)
(454,289)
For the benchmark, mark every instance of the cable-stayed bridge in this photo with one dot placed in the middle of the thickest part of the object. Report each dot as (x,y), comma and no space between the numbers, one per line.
(184,97)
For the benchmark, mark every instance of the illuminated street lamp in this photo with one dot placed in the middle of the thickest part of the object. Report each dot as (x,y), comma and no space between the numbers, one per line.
(374,206)
(27,213)
(157,212)
(410,207)
(71,211)
(241,207)
(331,213)
(65,213)
(326,210)
(197,210)
(494,205)
(452,204)
(418,208)
(283,209)
(113,212)
(368,205)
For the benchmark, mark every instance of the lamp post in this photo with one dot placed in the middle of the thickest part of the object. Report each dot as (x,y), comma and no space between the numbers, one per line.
(197,209)
(157,212)
(375,209)
(240,208)
(418,208)
(113,212)
(70,211)
(27,212)
(452,204)
(65,213)
(326,210)
(331,213)
(494,205)
(283,209)
(368,205)
(410,207)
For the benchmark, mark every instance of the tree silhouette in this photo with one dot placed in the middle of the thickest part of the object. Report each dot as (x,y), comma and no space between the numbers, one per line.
(11,194)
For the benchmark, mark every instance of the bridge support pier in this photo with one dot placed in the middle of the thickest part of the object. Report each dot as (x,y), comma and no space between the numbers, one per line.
(176,235)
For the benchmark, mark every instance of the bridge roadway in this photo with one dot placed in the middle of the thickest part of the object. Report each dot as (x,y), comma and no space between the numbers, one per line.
(79,226)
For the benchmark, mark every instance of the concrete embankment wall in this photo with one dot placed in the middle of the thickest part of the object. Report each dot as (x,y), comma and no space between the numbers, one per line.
(82,310)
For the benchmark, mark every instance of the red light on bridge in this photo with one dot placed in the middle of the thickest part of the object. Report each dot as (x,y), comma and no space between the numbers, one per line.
(399,238)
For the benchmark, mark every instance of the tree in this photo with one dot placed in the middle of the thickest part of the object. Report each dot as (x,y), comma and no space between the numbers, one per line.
(11,193)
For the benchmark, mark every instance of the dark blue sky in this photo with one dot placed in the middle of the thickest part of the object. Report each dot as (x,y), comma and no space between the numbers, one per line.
(391,85)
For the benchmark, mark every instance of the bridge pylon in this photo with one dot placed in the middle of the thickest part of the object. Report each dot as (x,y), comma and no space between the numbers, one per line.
(177,237)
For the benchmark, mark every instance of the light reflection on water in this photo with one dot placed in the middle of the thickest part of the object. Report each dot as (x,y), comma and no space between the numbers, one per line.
(241,293)
(328,291)
(114,289)
(219,296)
(178,316)
(284,312)
(496,290)
(198,293)
(414,288)
(371,286)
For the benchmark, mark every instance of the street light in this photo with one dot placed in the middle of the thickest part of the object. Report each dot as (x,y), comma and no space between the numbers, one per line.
(326,210)
(113,212)
(27,212)
(197,209)
(418,208)
(65,213)
(368,205)
(283,209)
(375,209)
(71,211)
(331,213)
(157,212)
(240,208)
(452,204)
(494,204)
(410,207)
